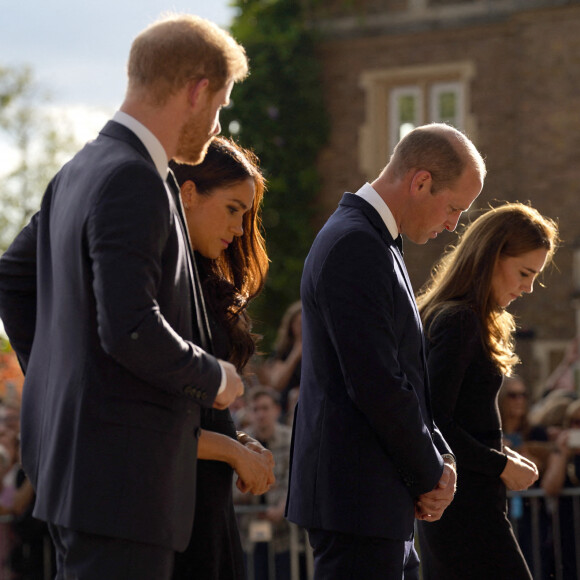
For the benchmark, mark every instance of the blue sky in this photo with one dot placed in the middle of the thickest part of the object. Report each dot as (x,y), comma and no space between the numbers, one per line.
(78,52)
(78,49)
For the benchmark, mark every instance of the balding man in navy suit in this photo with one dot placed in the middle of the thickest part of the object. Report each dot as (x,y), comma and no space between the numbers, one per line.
(367,458)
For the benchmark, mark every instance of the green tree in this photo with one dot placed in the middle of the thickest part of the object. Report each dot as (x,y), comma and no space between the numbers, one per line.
(40,145)
(279,113)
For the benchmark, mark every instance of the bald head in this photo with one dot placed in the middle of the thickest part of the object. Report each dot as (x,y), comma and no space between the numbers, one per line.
(439,149)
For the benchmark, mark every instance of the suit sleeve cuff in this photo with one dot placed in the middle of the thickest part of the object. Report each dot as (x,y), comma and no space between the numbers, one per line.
(223,381)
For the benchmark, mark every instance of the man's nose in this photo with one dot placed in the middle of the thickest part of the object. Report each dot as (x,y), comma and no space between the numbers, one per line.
(451,223)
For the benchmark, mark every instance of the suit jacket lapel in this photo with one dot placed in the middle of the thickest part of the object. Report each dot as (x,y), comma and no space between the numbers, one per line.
(377,222)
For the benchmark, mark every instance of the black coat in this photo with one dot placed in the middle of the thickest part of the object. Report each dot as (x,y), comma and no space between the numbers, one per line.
(96,298)
(365,445)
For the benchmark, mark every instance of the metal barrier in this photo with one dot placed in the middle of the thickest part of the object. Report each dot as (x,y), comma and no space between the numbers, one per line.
(298,546)
(551,505)
(539,504)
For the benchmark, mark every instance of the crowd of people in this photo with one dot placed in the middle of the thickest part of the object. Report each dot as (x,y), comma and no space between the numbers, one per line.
(126,301)
(25,547)
(546,430)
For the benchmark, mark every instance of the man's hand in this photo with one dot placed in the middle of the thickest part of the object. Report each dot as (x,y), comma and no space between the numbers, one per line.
(431,505)
(234,386)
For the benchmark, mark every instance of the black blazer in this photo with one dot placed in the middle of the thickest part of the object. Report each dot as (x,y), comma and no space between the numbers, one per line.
(364,440)
(96,298)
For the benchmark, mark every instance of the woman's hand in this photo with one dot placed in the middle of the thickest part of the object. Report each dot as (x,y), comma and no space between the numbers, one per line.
(519,472)
(254,469)
(252,444)
(252,462)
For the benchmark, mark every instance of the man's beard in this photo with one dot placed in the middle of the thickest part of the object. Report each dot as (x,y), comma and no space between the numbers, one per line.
(194,139)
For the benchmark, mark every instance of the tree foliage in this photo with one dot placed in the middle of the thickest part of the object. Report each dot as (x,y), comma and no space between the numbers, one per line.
(38,142)
(279,113)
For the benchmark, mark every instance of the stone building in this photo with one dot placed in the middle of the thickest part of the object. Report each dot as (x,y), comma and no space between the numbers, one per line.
(507,72)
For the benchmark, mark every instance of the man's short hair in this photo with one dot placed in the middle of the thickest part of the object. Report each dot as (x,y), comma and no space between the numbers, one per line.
(262,391)
(439,149)
(179,48)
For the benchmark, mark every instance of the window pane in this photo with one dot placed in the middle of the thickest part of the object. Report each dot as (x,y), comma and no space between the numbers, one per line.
(446,104)
(407,105)
(405,111)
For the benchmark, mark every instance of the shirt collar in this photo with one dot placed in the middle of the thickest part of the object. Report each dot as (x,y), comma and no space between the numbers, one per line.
(369,194)
(151,143)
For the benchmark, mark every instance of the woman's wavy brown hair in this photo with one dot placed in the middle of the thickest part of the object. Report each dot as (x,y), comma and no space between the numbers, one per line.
(463,276)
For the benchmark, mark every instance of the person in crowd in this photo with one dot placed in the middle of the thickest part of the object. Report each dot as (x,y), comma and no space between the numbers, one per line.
(549,415)
(222,198)
(101,304)
(564,376)
(562,472)
(521,436)
(283,370)
(531,441)
(469,335)
(367,457)
(265,426)
(8,471)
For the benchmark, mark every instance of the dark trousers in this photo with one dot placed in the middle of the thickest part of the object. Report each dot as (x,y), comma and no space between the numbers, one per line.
(340,556)
(82,556)
(261,563)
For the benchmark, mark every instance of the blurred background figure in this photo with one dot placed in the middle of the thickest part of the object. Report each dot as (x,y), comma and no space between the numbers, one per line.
(549,413)
(25,548)
(563,471)
(265,410)
(531,441)
(565,376)
(528,440)
(283,368)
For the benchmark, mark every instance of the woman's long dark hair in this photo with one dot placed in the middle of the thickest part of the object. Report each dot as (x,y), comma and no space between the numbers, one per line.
(231,281)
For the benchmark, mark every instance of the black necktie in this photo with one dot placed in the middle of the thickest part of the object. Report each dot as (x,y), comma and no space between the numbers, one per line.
(199,302)
(399,243)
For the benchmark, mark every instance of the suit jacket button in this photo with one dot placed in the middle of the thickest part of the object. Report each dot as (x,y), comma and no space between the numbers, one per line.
(134,335)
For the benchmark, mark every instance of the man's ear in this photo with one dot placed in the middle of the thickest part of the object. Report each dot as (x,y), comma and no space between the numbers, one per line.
(196,91)
(421,182)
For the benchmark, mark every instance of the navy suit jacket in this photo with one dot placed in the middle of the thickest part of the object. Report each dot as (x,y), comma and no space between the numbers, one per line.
(96,298)
(364,442)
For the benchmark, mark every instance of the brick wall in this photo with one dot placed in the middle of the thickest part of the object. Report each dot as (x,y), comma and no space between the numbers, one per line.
(525,98)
